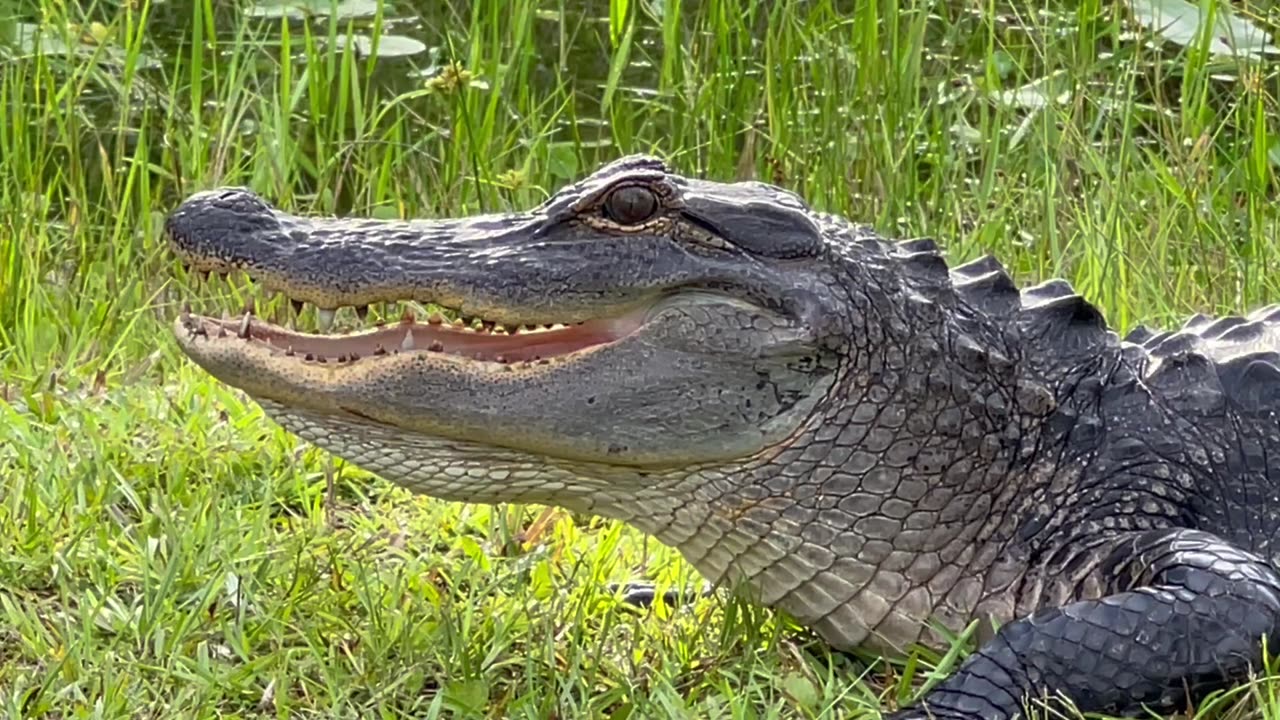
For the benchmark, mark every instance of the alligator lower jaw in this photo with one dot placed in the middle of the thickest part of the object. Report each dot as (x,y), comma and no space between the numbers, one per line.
(484,345)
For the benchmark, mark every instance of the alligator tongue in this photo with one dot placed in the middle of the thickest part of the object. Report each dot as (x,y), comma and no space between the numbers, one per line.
(421,337)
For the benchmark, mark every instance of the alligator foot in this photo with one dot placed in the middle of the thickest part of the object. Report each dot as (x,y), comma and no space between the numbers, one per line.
(642,594)
(1187,616)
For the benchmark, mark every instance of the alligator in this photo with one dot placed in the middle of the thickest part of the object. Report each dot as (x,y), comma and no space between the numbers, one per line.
(837,424)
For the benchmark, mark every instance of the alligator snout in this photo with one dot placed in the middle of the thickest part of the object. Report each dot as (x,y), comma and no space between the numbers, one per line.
(224,229)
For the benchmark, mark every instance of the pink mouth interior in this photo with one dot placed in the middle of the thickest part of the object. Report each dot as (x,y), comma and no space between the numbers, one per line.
(412,336)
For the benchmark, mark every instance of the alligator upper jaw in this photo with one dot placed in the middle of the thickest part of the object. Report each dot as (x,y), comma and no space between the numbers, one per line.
(508,269)
(520,295)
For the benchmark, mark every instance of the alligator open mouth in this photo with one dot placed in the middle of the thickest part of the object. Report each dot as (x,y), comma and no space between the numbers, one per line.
(469,339)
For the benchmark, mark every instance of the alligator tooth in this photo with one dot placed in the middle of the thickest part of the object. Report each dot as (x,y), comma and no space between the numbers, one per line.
(324,318)
(289,351)
(354,357)
(459,323)
(379,350)
(310,357)
(248,306)
(436,346)
(342,358)
(435,318)
(407,343)
(407,315)
(244,325)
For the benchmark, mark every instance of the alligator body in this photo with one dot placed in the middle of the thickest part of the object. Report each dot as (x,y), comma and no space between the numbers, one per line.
(839,425)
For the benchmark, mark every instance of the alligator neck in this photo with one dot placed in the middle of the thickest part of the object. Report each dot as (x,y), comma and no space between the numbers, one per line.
(900,502)
(866,523)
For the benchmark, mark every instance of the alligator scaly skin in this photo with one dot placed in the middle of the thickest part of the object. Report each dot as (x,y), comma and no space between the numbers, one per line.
(836,424)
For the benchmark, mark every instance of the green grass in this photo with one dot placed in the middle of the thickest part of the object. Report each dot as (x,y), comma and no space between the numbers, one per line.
(167,552)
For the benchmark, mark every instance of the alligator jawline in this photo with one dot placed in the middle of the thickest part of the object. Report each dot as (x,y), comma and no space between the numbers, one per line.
(410,336)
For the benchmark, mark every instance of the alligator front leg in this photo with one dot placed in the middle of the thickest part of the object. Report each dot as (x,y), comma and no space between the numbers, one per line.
(1188,617)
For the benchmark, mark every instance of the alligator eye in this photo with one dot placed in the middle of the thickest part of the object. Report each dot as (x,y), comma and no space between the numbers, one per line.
(631,205)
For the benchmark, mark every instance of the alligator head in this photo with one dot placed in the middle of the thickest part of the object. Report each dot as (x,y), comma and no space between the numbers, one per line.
(637,321)
(716,364)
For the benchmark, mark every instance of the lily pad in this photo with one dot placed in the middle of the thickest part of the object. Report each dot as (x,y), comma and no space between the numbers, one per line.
(302,9)
(1180,22)
(94,41)
(388,45)
(1038,94)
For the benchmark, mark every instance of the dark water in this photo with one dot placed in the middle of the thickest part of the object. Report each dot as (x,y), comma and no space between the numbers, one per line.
(570,46)
(570,42)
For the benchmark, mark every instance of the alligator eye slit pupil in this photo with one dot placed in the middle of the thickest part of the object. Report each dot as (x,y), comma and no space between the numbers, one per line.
(631,204)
